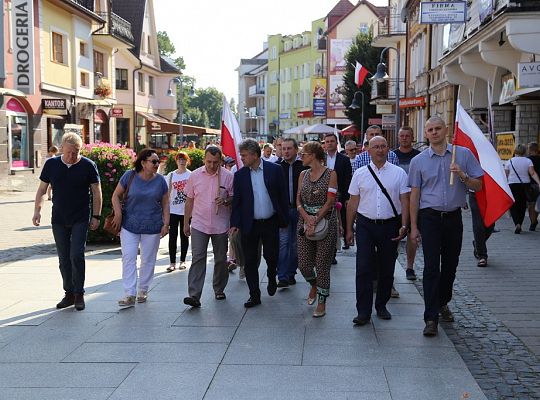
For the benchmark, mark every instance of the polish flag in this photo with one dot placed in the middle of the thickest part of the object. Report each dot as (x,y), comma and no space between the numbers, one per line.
(230,134)
(360,73)
(495,198)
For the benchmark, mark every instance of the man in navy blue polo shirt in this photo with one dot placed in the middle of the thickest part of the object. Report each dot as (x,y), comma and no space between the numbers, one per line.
(71,176)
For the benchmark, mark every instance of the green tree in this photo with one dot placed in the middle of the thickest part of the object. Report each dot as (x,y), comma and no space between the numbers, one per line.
(234,108)
(210,101)
(361,51)
(167,49)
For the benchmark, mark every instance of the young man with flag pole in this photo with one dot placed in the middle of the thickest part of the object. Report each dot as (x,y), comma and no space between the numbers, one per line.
(435,211)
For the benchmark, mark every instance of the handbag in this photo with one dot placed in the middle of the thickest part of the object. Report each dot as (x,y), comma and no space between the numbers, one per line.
(321,228)
(108,223)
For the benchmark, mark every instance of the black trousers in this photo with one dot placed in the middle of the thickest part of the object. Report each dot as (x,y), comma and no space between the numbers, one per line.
(267,232)
(177,222)
(517,211)
(480,231)
(442,234)
(374,245)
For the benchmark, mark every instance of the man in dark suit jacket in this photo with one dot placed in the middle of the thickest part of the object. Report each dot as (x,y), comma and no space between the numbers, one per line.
(342,165)
(259,209)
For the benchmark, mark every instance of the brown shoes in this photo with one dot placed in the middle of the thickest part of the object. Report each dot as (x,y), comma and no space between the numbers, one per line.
(431,328)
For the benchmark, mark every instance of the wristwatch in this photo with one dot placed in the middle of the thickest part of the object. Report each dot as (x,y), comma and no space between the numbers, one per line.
(96,216)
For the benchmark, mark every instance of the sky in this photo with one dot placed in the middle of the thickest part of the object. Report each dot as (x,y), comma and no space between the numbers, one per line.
(213,35)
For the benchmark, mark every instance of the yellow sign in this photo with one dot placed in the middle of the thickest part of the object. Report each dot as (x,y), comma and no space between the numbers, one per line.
(505,145)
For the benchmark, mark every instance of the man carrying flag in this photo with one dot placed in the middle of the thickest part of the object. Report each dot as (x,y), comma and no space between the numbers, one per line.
(436,204)
(495,198)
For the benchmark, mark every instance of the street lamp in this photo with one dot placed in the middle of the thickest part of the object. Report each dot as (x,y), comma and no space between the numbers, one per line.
(354,106)
(178,80)
(381,76)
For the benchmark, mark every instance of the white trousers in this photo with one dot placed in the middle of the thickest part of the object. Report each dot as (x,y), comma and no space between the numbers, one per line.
(130,246)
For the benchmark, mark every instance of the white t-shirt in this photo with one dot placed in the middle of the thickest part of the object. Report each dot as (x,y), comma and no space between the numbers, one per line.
(272,158)
(177,197)
(521,165)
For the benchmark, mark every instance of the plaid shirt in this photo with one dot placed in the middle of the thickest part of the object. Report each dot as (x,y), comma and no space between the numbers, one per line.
(363,159)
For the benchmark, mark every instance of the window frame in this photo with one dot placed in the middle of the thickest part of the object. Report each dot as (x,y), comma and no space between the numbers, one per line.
(54,47)
(119,79)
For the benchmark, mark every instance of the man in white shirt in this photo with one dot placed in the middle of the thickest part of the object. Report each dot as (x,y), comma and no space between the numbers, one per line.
(380,224)
(267,153)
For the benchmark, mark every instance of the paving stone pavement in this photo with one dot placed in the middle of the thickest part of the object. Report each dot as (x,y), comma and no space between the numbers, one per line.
(491,306)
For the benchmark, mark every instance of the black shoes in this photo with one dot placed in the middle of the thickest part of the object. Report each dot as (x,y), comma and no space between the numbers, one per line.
(292,281)
(79,302)
(334,261)
(532,228)
(383,313)
(192,301)
(361,320)
(68,300)
(475,252)
(430,329)
(252,302)
(446,314)
(410,274)
(283,284)
(346,247)
(272,286)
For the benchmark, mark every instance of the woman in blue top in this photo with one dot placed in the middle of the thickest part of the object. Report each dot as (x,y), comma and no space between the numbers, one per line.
(144,219)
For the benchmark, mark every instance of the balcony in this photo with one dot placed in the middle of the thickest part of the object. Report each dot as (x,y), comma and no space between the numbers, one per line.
(388,31)
(116,32)
(260,112)
(385,92)
(256,91)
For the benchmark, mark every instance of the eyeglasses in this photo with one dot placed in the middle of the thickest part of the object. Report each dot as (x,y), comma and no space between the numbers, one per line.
(153,161)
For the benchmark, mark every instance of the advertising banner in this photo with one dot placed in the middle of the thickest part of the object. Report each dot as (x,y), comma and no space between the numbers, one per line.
(529,75)
(22,34)
(336,94)
(318,91)
(338,49)
(505,145)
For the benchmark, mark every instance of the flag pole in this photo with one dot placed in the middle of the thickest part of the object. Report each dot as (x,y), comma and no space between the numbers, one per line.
(452,162)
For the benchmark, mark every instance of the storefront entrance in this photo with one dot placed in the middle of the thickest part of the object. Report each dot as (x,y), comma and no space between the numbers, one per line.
(18,136)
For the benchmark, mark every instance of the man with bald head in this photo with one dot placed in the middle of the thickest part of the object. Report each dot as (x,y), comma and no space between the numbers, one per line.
(379,203)
(435,209)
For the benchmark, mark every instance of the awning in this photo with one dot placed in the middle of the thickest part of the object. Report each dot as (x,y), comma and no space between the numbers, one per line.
(158,124)
(52,116)
(11,92)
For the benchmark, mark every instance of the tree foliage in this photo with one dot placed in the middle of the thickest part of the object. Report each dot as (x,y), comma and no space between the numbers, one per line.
(167,49)
(209,100)
(361,51)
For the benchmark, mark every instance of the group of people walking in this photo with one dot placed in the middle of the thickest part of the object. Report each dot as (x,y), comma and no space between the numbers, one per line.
(288,210)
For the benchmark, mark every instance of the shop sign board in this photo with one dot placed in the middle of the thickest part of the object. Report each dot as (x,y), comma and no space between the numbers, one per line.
(505,145)
(388,121)
(22,37)
(117,112)
(529,75)
(443,12)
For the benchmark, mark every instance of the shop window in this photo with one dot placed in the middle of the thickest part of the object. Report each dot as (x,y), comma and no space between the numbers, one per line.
(57,48)
(121,79)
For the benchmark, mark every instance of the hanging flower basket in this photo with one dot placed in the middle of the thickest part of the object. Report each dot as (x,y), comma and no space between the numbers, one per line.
(103,90)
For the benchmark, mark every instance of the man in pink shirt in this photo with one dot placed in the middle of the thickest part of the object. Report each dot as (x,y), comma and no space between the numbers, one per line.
(209,194)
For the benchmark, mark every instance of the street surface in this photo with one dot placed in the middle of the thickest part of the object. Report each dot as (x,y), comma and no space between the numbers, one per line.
(163,349)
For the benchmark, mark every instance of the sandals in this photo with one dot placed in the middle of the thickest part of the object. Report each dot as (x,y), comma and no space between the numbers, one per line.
(220,296)
(482,262)
(171,267)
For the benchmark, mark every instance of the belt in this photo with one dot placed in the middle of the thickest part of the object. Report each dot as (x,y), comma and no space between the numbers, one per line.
(441,214)
(378,221)
(264,220)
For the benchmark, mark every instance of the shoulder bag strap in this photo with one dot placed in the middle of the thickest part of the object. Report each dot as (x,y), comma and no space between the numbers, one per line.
(512,165)
(385,192)
(128,185)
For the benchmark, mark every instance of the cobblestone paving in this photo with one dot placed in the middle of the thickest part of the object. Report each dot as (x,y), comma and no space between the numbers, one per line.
(502,365)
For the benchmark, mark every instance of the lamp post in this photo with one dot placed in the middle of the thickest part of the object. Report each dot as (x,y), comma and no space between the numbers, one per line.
(354,106)
(178,80)
(381,76)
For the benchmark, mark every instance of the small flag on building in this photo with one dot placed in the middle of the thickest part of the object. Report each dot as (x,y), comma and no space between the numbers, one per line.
(360,73)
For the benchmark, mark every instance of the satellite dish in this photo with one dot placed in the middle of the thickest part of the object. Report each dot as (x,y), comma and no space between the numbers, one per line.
(404,15)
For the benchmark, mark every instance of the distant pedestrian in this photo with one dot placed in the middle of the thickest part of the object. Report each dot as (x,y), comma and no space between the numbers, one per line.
(53,151)
(534,156)
(71,176)
(519,171)
(176,182)
(363,158)
(436,215)
(288,251)
(405,153)
(268,153)
(317,191)
(209,194)
(382,220)
(259,209)
(144,220)
(350,151)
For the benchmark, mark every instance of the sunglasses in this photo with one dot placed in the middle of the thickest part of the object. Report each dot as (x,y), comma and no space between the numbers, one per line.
(153,161)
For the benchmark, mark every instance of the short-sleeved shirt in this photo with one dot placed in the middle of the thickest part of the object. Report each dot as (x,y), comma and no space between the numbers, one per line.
(143,211)
(71,189)
(177,186)
(405,158)
(536,163)
(431,173)
(373,203)
(520,165)
(203,189)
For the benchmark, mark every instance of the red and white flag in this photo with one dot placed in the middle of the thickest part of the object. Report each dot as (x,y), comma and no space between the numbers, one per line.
(360,73)
(231,137)
(495,198)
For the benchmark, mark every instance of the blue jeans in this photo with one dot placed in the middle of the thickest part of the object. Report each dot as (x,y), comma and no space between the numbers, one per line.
(70,244)
(288,253)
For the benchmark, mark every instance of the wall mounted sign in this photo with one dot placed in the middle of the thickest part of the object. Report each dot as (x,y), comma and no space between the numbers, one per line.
(22,33)
(443,12)
(529,75)
(412,102)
